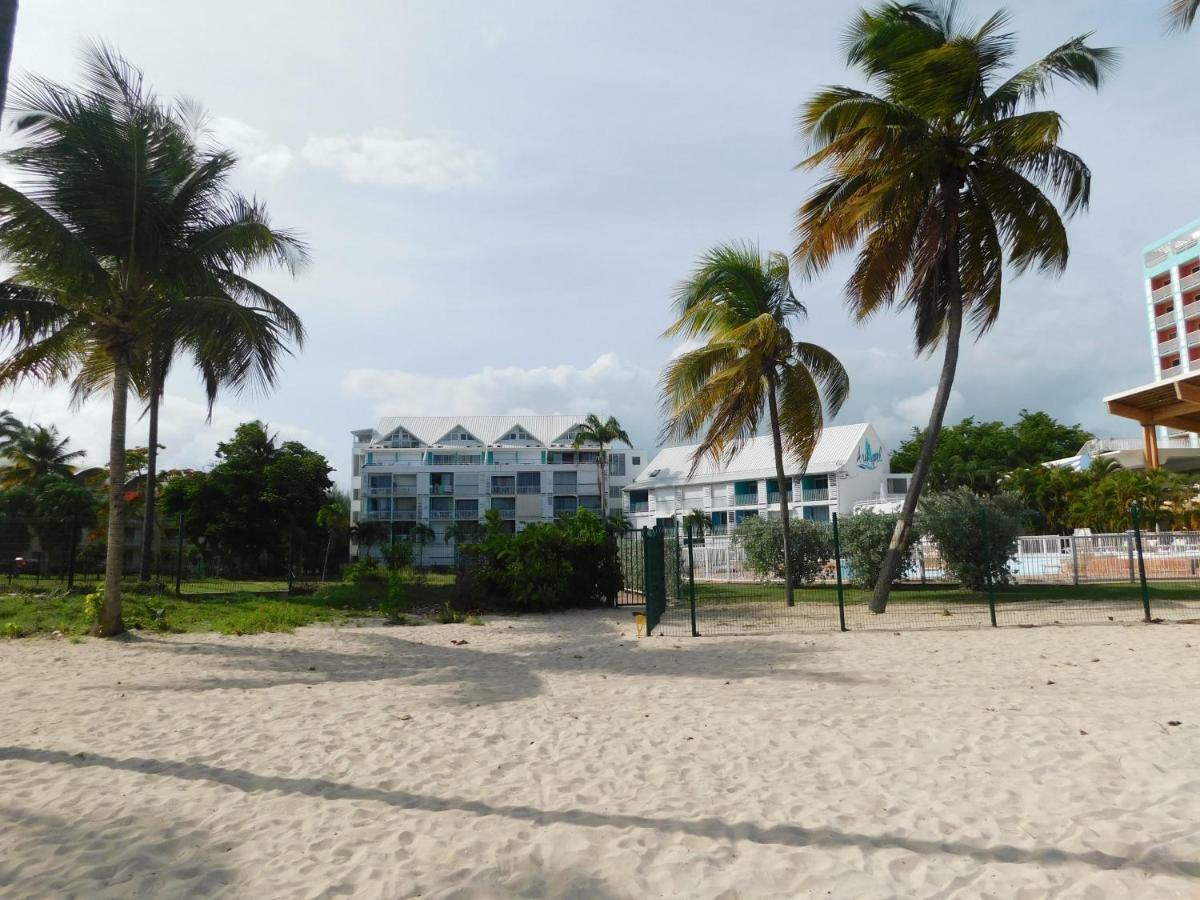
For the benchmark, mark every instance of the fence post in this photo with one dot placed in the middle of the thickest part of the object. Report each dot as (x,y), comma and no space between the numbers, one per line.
(291,558)
(1136,512)
(987,571)
(74,547)
(837,565)
(1074,539)
(179,559)
(1132,570)
(692,580)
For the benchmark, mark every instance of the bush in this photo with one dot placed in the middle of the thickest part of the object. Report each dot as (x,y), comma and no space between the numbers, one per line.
(571,562)
(397,555)
(865,538)
(395,603)
(92,604)
(762,541)
(977,536)
(365,571)
(12,630)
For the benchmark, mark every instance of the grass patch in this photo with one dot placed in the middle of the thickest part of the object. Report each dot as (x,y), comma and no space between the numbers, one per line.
(41,612)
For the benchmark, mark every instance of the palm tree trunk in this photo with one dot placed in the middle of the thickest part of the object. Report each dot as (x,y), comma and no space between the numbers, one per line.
(920,473)
(8,28)
(110,611)
(600,461)
(780,483)
(151,492)
(328,550)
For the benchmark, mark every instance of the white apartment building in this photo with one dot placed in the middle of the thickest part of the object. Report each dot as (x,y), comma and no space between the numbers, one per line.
(438,470)
(849,470)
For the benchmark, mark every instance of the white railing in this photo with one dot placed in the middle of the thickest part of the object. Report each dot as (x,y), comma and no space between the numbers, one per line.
(529,488)
(1165,347)
(1189,281)
(1185,243)
(404,490)
(1157,255)
(503,490)
(1171,372)
(441,514)
(813,495)
(379,490)
(1191,309)
(404,515)
(1165,320)
(1162,293)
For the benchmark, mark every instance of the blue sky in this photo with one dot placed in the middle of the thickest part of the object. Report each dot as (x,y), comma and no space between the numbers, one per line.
(501,196)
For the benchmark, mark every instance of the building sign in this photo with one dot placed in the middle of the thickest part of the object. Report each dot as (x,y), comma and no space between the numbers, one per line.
(868,457)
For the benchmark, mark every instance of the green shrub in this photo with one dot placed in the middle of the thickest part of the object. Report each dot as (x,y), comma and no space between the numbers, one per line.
(474,620)
(977,536)
(91,606)
(397,555)
(395,603)
(571,562)
(365,571)
(12,630)
(447,615)
(865,537)
(762,542)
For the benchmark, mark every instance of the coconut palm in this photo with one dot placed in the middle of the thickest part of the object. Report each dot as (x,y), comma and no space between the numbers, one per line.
(125,233)
(941,178)
(421,534)
(593,431)
(741,304)
(698,521)
(1181,14)
(334,517)
(10,428)
(35,453)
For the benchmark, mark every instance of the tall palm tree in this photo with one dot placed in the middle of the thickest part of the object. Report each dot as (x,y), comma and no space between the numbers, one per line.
(741,304)
(941,178)
(1181,14)
(125,232)
(603,434)
(37,452)
(10,429)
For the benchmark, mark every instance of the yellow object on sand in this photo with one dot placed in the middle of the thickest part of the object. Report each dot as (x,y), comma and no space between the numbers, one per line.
(640,620)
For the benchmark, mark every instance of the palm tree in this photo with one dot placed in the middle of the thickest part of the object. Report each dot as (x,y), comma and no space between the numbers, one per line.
(1181,14)
(37,452)
(699,522)
(601,434)
(367,535)
(741,304)
(421,534)
(8,28)
(941,177)
(125,235)
(10,429)
(463,532)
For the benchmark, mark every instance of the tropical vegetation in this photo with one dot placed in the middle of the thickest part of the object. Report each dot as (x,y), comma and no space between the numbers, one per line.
(942,174)
(602,434)
(750,369)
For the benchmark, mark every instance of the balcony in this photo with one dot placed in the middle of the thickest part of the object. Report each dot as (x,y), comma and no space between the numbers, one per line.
(642,507)
(1162,293)
(1191,310)
(745,499)
(446,459)
(503,488)
(441,514)
(404,490)
(1166,347)
(814,495)
(1155,256)
(1166,320)
(466,515)
(378,515)
(1184,243)
(1187,282)
(507,515)
(1193,338)
(773,497)
(404,515)
(379,490)
(529,488)
(441,490)
(1174,370)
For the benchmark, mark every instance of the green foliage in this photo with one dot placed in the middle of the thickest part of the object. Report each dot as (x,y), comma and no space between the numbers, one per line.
(260,493)
(976,536)
(91,606)
(365,571)
(12,631)
(447,615)
(571,562)
(474,620)
(977,455)
(396,602)
(762,541)
(397,555)
(865,538)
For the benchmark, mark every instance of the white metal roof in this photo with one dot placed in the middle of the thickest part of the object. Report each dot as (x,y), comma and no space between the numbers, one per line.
(838,445)
(488,429)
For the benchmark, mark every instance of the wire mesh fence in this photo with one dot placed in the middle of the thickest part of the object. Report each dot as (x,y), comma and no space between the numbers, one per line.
(1047,579)
(46,554)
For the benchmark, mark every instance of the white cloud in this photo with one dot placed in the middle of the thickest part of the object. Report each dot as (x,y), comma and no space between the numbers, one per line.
(609,386)
(258,153)
(189,440)
(915,409)
(392,160)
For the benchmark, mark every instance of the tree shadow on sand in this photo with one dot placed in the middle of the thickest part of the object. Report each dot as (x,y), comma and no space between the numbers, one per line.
(1153,861)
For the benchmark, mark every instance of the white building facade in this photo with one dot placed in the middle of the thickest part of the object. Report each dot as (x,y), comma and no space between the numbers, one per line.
(849,471)
(441,470)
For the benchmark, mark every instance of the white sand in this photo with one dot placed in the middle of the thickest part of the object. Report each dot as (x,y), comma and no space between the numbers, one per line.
(558,757)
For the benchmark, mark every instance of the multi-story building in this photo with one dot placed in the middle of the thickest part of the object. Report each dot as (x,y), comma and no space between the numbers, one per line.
(848,469)
(439,470)
(1172,277)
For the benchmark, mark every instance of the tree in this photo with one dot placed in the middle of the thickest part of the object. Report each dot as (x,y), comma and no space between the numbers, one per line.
(941,179)
(762,542)
(463,532)
(334,517)
(976,536)
(367,535)
(8,28)
(107,247)
(617,521)
(741,304)
(63,509)
(10,429)
(602,434)
(421,534)
(1181,14)
(978,455)
(37,452)
(699,521)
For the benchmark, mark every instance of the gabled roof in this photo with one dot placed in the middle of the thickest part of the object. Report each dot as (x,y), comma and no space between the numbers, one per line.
(838,447)
(489,429)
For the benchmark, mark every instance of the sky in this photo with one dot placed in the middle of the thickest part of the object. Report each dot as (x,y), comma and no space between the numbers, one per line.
(501,196)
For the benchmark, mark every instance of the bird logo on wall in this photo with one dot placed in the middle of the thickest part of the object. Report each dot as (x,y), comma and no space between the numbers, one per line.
(868,458)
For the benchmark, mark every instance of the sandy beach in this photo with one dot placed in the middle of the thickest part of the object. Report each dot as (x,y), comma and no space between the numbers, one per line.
(560,757)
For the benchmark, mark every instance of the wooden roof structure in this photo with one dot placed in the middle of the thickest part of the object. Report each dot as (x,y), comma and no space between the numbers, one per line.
(1173,403)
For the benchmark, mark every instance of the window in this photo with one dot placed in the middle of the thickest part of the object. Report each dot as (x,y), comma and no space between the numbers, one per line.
(637,460)
(614,492)
(616,464)
(897,485)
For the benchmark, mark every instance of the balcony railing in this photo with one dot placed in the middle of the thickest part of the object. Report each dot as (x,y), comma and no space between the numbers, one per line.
(1165,347)
(466,515)
(745,499)
(379,490)
(1192,309)
(1193,338)
(1162,293)
(404,490)
(1187,282)
(1165,320)
(773,497)
(815,495)
(404,515)
(642,507)
(1154,257)
(1184,243)
(506,514)
(529,488)
(441,489)
(378,515)
(503,490)
(441,514)
(1174,370)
